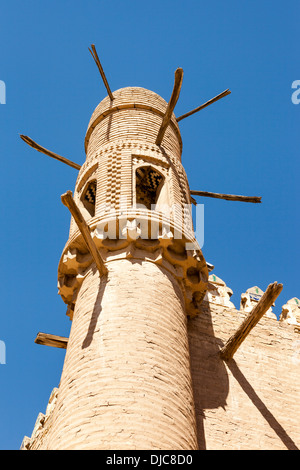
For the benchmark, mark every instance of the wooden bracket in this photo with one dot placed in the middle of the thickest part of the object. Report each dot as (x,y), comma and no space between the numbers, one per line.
(98,63)
(68,201)
(51,340)
(41,149)
(250,321)
(213,100)
(171,105)
(227,197)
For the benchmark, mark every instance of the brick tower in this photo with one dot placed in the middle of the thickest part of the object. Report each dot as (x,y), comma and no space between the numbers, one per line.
(126,380)
(158,357)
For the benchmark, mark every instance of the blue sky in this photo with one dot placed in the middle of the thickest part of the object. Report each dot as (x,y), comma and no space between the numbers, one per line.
(246,143)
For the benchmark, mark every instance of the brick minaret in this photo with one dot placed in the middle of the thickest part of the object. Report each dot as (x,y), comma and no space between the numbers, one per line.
(131,274)
(126,381)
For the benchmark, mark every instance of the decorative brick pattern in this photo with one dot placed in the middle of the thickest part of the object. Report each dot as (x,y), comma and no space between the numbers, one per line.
(113,185)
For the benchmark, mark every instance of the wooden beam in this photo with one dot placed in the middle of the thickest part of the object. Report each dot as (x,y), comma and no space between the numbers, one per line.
(51,340)
(98,63)
(41,149)
(171,105)
(69,202)
(250,321)
(227,197)
(213,100)
(194,201)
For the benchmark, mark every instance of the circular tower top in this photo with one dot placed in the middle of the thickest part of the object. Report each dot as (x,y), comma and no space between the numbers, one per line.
(134,114)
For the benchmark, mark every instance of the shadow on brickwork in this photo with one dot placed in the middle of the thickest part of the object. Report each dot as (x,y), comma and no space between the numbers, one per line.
(210,378)
(209,374)
(271,420)
(95,314)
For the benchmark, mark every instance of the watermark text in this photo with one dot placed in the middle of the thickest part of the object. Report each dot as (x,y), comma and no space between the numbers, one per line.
(2,92)
(296,94)
(163,221)
(2,352)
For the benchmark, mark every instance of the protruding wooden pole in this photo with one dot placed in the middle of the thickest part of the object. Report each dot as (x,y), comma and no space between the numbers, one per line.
(250,321)
(227,197)
(41,149)
(213,100)
(69,202)
(51,340)
(171,105)
(98,63)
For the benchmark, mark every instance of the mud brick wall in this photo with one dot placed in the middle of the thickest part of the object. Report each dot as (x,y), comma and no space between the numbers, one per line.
(253,401)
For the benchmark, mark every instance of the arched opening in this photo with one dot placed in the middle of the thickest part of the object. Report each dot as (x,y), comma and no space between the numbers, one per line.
(148,184)
(89,197)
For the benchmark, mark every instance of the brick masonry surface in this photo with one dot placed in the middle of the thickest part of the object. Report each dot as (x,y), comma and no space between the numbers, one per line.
(253,402)
(126,380)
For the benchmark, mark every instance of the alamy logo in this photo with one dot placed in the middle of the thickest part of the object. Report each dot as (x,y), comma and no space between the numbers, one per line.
(2,352)
(296,95)
(2,92)
(161,222)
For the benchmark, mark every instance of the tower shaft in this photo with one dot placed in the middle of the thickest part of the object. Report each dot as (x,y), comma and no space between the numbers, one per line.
(126,381)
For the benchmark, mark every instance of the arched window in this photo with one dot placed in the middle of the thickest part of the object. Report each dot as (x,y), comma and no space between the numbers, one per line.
(148,185)
(89,197)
